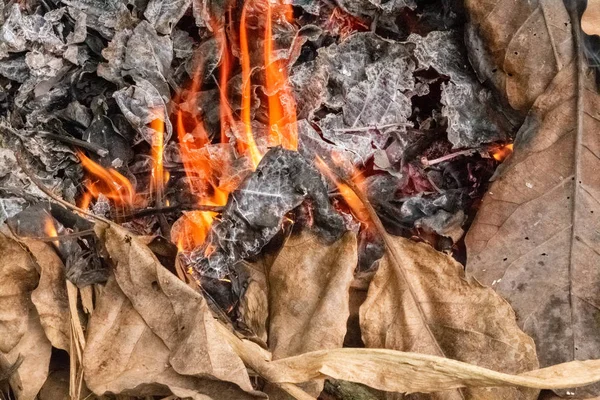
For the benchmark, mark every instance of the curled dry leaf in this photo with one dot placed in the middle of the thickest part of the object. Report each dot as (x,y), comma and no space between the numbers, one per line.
(124,355)
(172,311)
(35,349)
(590,20)
(50,296)
(309,290)
(404,372)
(21,334)
(519,45)
(18,278)
(535,238)
(420,301)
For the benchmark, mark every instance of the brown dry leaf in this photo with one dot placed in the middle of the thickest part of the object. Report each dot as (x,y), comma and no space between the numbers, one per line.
(35,349)
(309,290)
(124,356)
(402,372)
(519,45)
(50,296)
(420,301)
(590,20)
(254,304)
(18,278)
(173,312)
(536,238)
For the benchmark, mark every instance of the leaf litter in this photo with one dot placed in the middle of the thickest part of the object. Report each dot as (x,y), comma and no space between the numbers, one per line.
(534,238)
(112,72)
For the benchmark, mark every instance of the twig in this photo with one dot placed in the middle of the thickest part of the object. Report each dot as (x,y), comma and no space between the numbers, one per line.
(366,128)
(52,196)
(165,210)
(447,157)
(101,151)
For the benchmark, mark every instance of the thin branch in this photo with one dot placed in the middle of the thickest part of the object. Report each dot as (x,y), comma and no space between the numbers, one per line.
(99,150)
(165,210)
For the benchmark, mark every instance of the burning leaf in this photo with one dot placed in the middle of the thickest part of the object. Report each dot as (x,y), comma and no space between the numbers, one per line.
(535,238)
(255,211)
(124,355)
(519,46)
(168,310)
(309,289)
(419,301)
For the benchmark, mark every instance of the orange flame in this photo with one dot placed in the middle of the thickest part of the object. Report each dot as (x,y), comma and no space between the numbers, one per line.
(500,153)
(282,106)
(250,144)
(108,182)
(355,204)
(225,114)
(158,173)
(50,229)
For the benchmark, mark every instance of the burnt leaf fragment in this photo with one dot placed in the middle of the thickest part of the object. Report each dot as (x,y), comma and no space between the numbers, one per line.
(254,212)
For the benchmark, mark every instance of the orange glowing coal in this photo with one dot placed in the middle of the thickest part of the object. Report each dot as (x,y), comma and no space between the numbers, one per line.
(500,153)
(108,182)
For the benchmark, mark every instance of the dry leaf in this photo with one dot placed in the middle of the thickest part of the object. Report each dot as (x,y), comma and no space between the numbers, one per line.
(18,278)
(590,20)
(309,286)
(172,311)
(35,349)
(519,45)
(536,237)
(50,296)
(254,304)
(309,289)
(402,372)
(123,355)
(419,301)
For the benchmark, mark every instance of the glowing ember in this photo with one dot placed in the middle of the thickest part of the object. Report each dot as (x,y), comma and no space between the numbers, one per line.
(501,153)
(108,182)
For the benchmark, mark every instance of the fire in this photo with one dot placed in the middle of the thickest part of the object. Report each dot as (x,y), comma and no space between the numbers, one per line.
(500,153)
(255,155)
(282,106)
(203,178)
(158,174)
(108,182)
(50,229)
(349,196)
